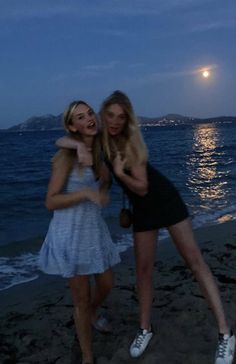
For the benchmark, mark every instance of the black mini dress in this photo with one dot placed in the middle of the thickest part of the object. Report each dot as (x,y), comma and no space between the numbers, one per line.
(162,206)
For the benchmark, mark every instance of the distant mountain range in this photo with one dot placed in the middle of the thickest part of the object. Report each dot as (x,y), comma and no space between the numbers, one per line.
(52,122)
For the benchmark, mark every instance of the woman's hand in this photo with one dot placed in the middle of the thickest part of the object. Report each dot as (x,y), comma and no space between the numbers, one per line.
(119,165)
(99,197)
(136,180)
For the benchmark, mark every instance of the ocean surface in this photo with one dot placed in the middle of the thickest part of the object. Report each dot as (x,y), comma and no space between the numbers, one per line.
(199,159)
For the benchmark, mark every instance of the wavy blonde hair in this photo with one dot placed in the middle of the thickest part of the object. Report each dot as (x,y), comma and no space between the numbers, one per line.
(130,143)
(70,155)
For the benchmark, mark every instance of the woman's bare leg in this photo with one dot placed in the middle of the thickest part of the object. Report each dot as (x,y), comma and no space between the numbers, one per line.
(103,286)
(80,289)
(183,237)
(145,248)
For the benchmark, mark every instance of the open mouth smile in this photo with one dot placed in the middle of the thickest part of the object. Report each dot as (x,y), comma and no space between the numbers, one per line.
(91,125)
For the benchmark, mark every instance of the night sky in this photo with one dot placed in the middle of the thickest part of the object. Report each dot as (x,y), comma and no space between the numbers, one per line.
(53,52)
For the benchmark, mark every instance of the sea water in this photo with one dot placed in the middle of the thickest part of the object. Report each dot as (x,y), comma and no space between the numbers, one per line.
(199,160)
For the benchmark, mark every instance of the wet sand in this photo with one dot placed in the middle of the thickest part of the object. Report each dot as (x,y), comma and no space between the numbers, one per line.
(37,323)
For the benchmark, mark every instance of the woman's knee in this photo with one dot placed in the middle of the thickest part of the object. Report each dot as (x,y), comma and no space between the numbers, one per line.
(82,304)
(81,299)
(106,286)
(144,271)
(109,285)
(196,263)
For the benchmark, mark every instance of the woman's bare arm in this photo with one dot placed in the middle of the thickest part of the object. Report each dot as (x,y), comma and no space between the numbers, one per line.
(56,199)
(67,142)
(105,177)
(83,154)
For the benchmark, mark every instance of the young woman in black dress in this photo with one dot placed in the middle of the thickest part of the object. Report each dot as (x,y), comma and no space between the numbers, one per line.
(156,204)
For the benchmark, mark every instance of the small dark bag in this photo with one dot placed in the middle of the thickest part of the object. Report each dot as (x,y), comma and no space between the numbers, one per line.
(126,216)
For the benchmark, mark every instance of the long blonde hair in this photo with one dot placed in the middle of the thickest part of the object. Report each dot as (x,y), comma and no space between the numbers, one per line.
(70,155)
(130,143)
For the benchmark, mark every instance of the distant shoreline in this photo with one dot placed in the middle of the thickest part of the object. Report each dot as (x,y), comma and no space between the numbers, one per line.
(51,122)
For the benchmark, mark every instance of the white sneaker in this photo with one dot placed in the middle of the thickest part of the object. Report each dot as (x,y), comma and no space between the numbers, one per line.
(140,343)
(225,349)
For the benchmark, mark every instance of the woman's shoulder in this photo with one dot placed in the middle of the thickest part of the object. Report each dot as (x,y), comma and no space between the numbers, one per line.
(64,158)
(130,150)
(133,155)
(64,154)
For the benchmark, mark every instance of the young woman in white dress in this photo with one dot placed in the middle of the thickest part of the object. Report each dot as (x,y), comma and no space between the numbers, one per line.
(78,243)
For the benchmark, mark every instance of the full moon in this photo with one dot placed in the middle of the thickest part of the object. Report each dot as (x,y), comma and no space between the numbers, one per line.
(205,74)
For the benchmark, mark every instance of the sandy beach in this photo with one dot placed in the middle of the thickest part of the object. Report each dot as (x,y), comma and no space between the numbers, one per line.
(37,324)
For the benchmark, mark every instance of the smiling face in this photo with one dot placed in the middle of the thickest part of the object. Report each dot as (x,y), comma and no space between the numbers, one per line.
(115,119)
(83,121)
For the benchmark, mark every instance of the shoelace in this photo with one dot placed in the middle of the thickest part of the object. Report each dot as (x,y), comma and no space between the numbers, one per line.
(139,339)
(222,345)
